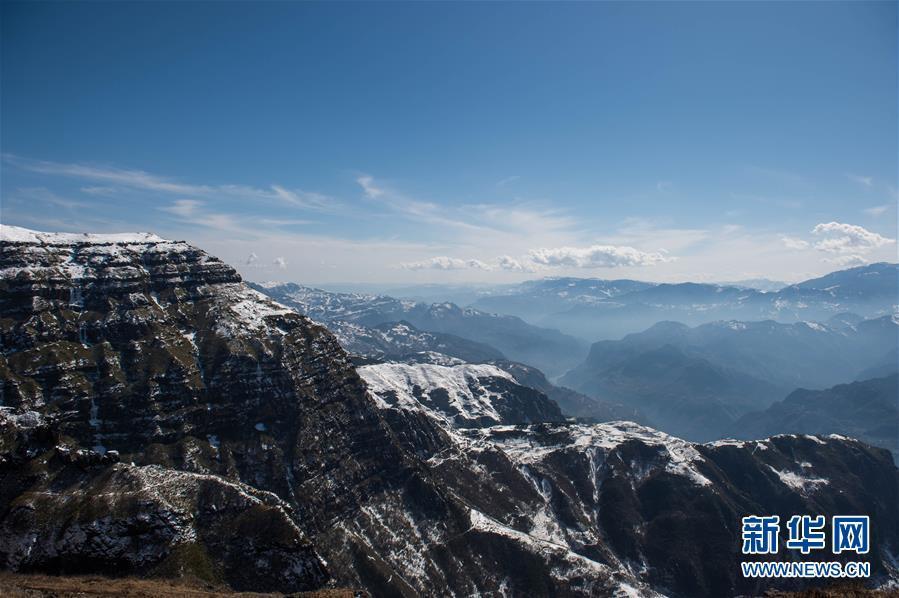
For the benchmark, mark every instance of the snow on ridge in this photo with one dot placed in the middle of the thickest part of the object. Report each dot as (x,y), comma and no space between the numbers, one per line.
(77,255)
(18,234)
(246,309)
(461,382)
(524,446)
(757,445)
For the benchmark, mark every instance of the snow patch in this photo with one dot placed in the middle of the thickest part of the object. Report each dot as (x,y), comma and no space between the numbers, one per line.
(798,481)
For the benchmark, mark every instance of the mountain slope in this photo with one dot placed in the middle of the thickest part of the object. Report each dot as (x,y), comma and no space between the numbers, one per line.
(621,497)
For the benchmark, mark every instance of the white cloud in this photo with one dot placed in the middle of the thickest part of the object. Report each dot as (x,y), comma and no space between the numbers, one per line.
(596,256)
(865,181)
(252,258)
(794,243)
(664,185)
(446,263)
(280,262)
(847,238)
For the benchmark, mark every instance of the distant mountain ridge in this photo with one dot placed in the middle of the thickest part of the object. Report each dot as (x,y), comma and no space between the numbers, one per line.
(867,410)
(695,382)
(608,309)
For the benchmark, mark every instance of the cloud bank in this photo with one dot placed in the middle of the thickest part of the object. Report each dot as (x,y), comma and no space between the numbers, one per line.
(445,263)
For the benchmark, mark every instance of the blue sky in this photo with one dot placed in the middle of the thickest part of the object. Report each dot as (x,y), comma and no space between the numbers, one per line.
(439,142)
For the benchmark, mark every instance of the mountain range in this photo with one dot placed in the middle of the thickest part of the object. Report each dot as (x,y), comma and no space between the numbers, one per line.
(158,417)
(866,409)
(697,381)
(595,309)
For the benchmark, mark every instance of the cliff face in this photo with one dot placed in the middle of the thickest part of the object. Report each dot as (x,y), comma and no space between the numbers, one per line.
(154,353)
(158,417)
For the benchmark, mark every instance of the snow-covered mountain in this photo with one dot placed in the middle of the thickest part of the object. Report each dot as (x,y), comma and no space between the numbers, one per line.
(617,500)
(161,418)
(460,396)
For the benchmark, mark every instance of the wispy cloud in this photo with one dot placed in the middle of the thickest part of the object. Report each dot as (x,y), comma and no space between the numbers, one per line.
(368,186)
(304,199)
(864,181)
(645,233)
(507,181)
(45,196)
(877,210)
(794,243)
(414,209)
(186,208)
(114,180)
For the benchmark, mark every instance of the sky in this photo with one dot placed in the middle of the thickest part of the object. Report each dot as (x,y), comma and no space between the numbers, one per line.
(461,142)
